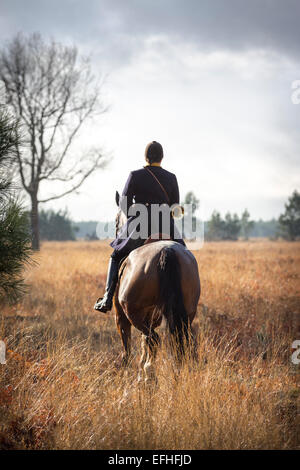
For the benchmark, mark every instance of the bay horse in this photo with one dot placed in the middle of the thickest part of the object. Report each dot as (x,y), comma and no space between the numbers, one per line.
(159,280)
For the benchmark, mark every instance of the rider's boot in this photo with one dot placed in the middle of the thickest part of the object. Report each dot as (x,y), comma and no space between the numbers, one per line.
(104,304)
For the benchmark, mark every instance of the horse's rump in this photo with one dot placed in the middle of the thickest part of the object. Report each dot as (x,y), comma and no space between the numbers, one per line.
(159,278)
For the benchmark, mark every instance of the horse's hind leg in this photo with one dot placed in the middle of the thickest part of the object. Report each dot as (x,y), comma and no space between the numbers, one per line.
(124,329)
(152,341)
(143,358)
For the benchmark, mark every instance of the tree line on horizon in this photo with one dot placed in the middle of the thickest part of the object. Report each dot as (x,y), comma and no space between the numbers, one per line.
(59,225)
(232,227)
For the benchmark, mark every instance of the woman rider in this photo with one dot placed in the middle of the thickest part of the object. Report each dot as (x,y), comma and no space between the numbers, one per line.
(151,184)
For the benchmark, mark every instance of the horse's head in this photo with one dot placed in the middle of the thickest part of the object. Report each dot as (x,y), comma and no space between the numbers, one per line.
(120,217)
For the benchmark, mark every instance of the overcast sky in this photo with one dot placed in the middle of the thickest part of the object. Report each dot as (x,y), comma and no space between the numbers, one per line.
(209,79)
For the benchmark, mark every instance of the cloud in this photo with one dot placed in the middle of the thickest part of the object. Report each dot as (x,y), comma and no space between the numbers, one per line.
(219,24)
(117,27)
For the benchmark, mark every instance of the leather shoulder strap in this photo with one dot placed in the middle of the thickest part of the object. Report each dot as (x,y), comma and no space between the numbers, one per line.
(157,180)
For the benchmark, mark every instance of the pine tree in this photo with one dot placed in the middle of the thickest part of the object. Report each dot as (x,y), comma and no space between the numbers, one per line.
(246,224)
(290,220)
(232,226)
(215,227)
(223,229)
(56,225)
(15,239)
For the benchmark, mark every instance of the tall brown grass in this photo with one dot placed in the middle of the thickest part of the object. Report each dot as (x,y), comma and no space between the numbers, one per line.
(63,386)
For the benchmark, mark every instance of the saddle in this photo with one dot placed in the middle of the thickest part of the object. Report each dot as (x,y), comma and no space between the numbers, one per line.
(157,237)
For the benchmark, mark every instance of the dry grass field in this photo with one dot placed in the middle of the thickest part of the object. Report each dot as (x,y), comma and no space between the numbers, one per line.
(63,388)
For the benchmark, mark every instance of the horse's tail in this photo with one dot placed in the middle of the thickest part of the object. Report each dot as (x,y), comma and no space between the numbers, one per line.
(170,302)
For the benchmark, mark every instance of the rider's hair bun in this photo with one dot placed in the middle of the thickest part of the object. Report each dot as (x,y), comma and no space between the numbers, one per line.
(154,152)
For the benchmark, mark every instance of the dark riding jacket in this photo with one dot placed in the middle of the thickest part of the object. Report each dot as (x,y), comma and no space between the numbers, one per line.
(142,188)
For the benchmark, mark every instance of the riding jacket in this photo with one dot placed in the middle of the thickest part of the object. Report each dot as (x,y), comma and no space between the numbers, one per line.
(143,188)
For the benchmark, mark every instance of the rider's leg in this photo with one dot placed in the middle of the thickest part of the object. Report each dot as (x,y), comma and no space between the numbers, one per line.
(104,304)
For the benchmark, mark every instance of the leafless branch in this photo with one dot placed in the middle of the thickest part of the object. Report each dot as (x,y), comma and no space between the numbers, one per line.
(95,165)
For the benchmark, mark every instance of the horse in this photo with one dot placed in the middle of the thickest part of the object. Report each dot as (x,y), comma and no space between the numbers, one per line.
(158,280)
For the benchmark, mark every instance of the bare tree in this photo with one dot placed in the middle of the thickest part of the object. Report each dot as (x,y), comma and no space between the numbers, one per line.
(53,93)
